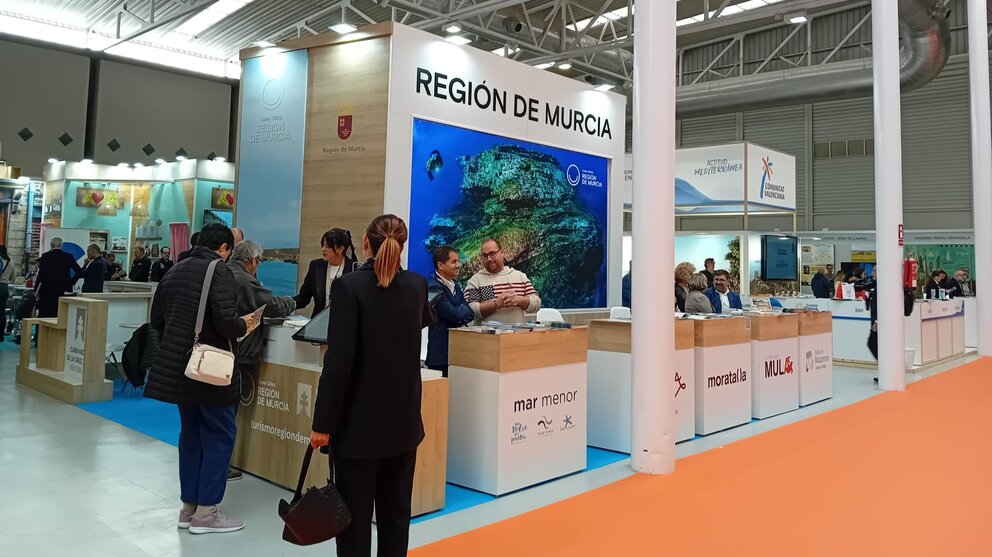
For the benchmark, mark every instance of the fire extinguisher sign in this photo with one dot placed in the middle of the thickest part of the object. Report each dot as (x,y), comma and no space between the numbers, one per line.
(901,235)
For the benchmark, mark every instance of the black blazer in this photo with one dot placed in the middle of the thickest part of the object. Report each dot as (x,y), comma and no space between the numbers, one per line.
(93,275)
(369,394)
(140,269)
(314,284)
(56,275)
(452,312)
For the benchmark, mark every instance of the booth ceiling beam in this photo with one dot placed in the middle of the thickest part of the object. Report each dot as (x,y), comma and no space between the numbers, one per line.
(188,8)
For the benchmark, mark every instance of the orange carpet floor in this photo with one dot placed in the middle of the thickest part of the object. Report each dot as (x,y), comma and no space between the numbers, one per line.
(900,474)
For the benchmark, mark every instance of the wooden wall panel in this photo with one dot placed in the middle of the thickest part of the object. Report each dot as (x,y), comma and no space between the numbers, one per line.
(344,179)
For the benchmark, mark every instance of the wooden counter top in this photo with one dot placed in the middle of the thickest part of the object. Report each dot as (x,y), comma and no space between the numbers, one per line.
(610,335)
(774,326)
(517,351)
(721,332)
(815,323)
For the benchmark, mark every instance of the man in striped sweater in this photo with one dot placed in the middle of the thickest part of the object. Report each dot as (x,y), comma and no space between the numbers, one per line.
(500,293)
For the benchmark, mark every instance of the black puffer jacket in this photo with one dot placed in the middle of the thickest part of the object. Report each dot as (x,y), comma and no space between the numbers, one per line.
(174,317)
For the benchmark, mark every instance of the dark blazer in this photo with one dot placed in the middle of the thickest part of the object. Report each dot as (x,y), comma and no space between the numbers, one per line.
(56,275)
(822,286)
(625,290)
(174,310)
(159,268)
(452,312)
(93,275)
(315,284)
(112,269)
(369,394)
(714,296)
(140,270)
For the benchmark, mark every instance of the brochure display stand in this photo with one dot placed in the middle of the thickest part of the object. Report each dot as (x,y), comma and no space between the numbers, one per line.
(816,366)
(722,371)
(774,355)
(518,407)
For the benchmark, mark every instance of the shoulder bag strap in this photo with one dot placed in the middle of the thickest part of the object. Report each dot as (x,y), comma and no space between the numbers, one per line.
(203,299)
(303,472)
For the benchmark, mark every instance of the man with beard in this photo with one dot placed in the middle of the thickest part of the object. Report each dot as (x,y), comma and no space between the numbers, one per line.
(500,293)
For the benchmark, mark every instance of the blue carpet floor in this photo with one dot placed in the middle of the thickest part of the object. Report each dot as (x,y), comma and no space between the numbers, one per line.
(161,421)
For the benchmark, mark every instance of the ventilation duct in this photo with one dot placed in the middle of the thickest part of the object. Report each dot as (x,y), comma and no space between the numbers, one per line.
(926,44)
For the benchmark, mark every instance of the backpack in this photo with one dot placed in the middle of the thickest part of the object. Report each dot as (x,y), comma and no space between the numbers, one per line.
(138,354)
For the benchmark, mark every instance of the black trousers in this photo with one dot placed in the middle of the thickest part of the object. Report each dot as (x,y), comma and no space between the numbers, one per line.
(383,485)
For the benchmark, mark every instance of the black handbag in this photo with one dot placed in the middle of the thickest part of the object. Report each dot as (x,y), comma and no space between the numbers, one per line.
(318,515)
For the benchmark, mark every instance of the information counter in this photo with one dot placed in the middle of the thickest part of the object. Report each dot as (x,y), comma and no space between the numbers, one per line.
(936,329)
(518,407)
(816,374)
(723,369)
(609,378)
(774,352)
(276,414)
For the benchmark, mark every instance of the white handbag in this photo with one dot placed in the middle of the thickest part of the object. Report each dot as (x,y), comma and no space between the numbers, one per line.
(207,364)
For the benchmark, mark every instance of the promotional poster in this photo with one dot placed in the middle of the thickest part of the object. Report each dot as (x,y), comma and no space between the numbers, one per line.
(546,206)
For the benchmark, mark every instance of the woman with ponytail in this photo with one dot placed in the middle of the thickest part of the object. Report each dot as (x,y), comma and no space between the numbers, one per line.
(368,400)
(334,263)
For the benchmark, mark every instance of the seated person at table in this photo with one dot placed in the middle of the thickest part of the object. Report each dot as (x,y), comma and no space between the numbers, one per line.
(333,264)
(500,293)
(696,300)
(452,309)
(961,278)
(94,270)
(721,296)
(115,271)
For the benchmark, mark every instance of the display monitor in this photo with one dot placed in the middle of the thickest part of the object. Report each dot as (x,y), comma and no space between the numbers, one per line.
(779,257)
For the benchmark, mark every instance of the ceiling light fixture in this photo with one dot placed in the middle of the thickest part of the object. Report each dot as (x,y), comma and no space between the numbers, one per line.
(123,165)
(87,161)
(180,158)
(459,40)
(565,66)
(343,28)
(53,160)
(544,66)
(219,159)
(605,87)
(264,44)
(139,165)
(797,19)
(107,209)
(453,28)
(159,161)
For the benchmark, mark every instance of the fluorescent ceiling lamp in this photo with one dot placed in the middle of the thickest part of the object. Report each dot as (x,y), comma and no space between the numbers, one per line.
(729,10)
(210,16)
(544,66)
(565,66)
(605,87)
(459,40)
(264,44)
(453,28)
(343,28)
(159,161)
(797,19)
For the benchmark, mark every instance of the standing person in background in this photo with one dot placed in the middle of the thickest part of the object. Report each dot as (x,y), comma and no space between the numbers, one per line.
(683,272)
(721,297)
(625,287)
(141,267)
(192,242)
(333,264)
(500,293)
(452,309)
(708,271)
(56,272)
(368,400)
(6,274)
(115,271)
(206,412)
(161,265)
(94,272)
(696,300)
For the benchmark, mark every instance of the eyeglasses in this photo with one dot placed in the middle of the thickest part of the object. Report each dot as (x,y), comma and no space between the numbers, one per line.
(491,254)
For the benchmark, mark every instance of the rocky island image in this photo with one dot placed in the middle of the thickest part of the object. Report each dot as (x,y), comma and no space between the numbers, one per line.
(547,206)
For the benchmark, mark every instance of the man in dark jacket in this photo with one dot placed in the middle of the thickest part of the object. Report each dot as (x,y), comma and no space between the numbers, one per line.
(452,309)
(161,265)
(626,287)
(115,271)
(192,242)
(56,275)
(141,267)
(245,260)
(207,412)
(95,270)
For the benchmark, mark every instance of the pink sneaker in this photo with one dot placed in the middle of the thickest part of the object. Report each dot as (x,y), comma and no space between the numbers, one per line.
(215,523)
(185,518)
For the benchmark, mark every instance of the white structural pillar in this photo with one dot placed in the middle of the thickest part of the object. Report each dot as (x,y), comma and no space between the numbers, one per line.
(653,262)
(981,165)
(888,195)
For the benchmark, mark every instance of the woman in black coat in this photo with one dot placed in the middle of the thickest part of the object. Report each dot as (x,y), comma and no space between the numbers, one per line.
(333,264)
(368,401)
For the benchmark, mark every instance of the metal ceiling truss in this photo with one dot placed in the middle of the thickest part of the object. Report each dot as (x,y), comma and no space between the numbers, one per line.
(150,21)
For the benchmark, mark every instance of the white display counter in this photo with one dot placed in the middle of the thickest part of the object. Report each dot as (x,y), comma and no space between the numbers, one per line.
(609,384)
(774,354)
(970,322)
(816,366)
(280,348)
(518,408)
(936,329)
(722,370)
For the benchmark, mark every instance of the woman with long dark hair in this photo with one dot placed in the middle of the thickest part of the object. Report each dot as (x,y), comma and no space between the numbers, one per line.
(368,401)
(334,263)
(6,274)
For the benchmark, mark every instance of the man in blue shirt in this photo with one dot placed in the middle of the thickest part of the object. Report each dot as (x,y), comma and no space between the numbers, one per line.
(721,296)
(452,309)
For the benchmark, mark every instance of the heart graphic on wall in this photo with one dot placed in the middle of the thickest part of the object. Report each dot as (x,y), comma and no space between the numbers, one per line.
(92,197)
(97,197)
(222,199)
(230,199)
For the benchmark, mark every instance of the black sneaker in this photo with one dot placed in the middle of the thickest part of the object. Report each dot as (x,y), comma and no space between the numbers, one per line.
(233,474)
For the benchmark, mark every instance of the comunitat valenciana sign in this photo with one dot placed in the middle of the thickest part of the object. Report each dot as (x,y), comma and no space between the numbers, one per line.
(722,178)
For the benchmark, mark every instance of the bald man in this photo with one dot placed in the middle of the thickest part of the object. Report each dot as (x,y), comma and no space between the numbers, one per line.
(239,236)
